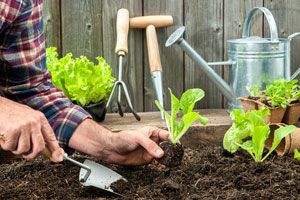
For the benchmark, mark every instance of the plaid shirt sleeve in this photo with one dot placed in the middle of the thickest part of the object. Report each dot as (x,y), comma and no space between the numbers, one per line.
(23,74)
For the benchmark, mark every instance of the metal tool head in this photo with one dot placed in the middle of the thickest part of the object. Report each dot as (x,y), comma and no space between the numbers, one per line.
(100,177)
(175,37)
(158,87)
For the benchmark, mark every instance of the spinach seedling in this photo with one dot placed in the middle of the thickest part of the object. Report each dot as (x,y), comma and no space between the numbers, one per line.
(250,133)
(178,126)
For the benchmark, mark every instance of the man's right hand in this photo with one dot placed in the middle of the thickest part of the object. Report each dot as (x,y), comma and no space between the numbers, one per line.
(26,132)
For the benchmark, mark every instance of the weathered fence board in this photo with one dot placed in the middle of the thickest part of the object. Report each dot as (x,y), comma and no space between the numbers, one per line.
(171,58)
(52,23)
(204,31)
(287,16)
(87,27)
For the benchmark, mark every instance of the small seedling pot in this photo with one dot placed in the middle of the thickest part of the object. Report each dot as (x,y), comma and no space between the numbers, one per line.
(284,146)
(276,114)
(292,114)
(97,110)
(173,154)
(287,144)
(249,103)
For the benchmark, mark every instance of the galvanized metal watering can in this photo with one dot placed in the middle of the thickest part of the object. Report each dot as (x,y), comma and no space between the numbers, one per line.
(253,60)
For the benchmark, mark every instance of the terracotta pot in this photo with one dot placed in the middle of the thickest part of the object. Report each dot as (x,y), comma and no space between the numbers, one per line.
(284,146)
(97,110)
(287,144)
(248,104)
(295,140)
(292,114)
(276,114)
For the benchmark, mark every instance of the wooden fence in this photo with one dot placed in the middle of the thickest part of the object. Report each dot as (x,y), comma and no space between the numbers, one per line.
(87,27)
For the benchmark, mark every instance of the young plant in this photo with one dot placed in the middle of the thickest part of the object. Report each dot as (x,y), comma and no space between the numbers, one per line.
(250,133)
(255,91)
(296,154)
(81,80)
(179,126)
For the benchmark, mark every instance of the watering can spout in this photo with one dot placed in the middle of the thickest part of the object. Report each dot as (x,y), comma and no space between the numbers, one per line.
(177,38)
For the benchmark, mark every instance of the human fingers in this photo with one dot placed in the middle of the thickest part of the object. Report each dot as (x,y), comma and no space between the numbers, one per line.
(149,145)
(51,142)
(24,144)
(37,141)
(157,134)
(9,140)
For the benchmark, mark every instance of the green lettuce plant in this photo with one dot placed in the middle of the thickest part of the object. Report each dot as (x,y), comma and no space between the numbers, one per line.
(81,80)
(250,133)
(178,126)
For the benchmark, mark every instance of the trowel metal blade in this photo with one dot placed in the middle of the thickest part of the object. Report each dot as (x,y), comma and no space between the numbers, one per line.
(158,87)
(100,177)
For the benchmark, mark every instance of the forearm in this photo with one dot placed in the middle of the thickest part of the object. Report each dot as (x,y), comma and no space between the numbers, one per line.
(92,139)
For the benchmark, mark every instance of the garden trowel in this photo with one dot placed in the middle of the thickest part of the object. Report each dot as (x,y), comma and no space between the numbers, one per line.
(93,174)
(155,64)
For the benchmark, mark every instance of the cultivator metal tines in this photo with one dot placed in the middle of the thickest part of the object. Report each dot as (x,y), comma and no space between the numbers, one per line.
(121,50)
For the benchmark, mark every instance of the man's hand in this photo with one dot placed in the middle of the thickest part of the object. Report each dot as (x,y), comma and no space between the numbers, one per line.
(136,147)
(132,147)
(26,132)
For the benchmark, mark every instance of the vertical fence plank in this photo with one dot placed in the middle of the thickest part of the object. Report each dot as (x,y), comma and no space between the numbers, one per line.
(51,14)
(81,27)
(133,71)
(286,14)
(235,12)
(204,31)
(171,58)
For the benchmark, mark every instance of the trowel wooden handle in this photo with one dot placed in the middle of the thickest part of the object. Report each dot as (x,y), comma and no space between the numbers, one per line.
(155,20)
(47,153)
(122,31)
(153,50)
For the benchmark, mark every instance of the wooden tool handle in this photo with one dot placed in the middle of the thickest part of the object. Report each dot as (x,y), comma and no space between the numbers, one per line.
(48,154)
(155,20)
(122,31)
(153,50)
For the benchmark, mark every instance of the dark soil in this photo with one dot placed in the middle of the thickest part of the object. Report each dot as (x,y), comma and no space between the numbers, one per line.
(253,98)
(206,173)
(173,154)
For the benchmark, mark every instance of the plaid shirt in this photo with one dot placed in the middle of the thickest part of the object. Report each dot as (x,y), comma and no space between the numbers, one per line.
(23,74)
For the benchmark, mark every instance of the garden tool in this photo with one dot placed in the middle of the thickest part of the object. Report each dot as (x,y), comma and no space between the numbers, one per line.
(92,174)
(155,20)
(155,64)
(121,51)
(254,60)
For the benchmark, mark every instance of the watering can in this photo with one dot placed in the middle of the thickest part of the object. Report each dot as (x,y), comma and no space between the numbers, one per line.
(252,59)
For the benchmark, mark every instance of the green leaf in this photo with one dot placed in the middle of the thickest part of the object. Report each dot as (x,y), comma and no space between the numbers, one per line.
(230,141)
(189,98)
(259,138)
(179,126)
(81,80)
(296,154)
(279,134)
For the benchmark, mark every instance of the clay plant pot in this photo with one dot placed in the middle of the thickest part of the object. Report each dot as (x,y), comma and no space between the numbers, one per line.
(249,103)
(288,144)
(284,146)
(276,114)
(97,110)
(292,114)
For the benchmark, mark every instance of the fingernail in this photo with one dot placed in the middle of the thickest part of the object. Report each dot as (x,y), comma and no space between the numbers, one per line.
(159,152)
(60,158)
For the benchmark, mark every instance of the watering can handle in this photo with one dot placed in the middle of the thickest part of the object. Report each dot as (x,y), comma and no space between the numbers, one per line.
(270,19)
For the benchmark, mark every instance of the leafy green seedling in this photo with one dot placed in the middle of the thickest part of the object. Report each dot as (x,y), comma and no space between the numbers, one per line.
(255,91)
(81,80)
(296,154)
(250,132)
(185,105)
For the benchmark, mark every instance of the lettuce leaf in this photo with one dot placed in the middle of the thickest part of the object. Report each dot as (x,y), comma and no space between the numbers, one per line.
(186,104)
(81,80)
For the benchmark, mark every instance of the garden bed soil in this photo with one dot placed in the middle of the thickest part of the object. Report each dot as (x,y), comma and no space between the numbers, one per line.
(207,172)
